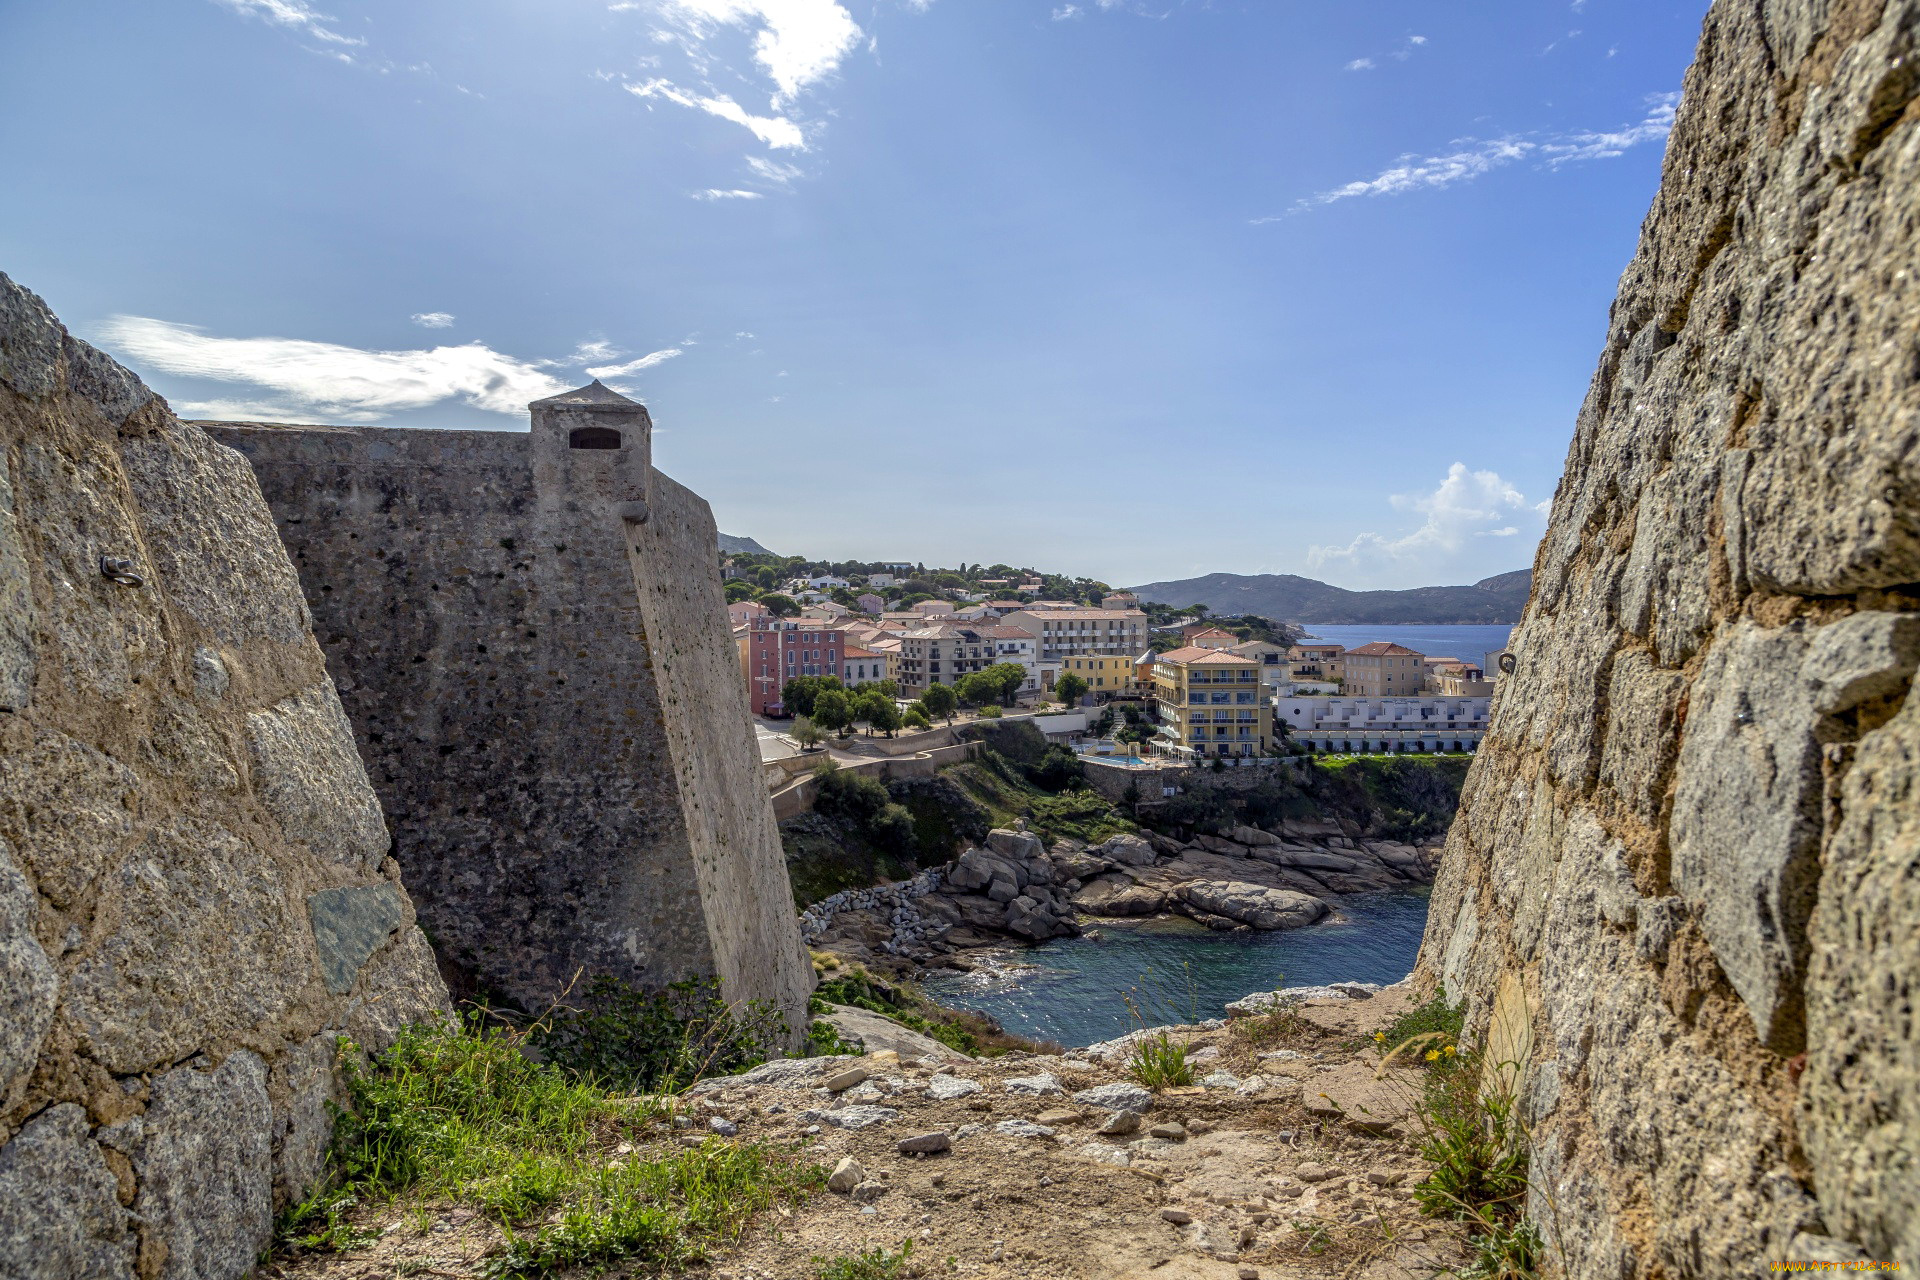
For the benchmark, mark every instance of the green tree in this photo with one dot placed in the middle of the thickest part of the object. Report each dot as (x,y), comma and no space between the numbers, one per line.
(806,734)
(888,689)
(915,718)
(1070,689)
(880,712)
(739,589)
(1009,676)
(780,606)
(977,690)
(940,701)
(797,695)
(832,710)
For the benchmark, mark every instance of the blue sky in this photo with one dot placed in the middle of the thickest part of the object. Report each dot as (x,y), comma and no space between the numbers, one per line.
(1134,290)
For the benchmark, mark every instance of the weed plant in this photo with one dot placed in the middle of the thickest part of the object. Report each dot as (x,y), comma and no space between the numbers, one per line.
(873,1264)
(627,1038)
(1159,1062)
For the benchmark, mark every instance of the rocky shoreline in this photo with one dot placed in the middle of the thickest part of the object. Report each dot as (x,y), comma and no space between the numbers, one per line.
(1015,889)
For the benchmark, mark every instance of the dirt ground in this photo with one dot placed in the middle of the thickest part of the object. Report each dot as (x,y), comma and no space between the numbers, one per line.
(1300,1163)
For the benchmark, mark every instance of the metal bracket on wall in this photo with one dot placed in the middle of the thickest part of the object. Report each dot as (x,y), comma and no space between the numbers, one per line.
(121,570)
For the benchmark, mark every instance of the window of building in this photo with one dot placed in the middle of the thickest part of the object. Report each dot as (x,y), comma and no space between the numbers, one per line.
(593,438)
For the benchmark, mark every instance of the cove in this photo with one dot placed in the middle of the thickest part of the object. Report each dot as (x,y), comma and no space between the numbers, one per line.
(1074,990)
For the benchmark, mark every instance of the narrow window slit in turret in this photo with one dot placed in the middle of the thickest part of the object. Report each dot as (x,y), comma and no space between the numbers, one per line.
(593,438)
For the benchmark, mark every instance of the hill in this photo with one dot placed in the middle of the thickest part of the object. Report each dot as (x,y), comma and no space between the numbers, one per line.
(1289,598)
(744,546)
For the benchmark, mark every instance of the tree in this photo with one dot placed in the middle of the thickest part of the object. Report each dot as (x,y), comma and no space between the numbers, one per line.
(1070,689)
(977,690)
(780,606)
(915,718)
(888,689)
(880,712)
(797,695)
(806,734)
(939,701)
(739,589)
(832,710)
(1009,676)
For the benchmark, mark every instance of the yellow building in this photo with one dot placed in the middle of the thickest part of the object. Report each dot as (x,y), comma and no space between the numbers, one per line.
(1210,706)
(1107,673)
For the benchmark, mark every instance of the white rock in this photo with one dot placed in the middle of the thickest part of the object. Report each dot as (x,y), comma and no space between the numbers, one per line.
(1044,1085)
(947,1088)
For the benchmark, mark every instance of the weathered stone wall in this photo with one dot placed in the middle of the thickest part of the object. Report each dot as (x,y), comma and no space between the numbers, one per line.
(530,642)
(195,892)
(1689,853)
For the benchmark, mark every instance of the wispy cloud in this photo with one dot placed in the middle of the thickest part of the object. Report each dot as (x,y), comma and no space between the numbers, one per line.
(330,381)
(293,15)
(1361,64)
(776,131)
(1472,157)
(433,319)
(1399,54)
(715,193)
(632,367)
(773,171)
(1464,512)
(1066,12)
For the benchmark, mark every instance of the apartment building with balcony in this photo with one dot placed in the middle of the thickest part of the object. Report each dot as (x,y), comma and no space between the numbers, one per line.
(1106,674)
(1315,662)
(943,655)
(1428,723)
(1211,707)
(1065,632)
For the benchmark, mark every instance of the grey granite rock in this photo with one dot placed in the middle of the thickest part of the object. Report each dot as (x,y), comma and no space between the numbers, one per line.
(29,987)
(205,1169)
(60,1216)
(310,777)
(349,925)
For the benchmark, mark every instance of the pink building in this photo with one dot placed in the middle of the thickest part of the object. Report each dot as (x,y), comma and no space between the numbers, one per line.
(746,611)
(777,650)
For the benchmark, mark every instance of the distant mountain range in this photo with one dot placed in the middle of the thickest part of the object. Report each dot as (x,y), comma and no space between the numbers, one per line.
(742,546)
(1284,597)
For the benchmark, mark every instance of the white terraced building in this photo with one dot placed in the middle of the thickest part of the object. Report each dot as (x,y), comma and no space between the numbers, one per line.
(1430,723)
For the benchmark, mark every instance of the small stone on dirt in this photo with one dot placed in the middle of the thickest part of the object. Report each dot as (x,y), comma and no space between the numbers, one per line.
(947,1088)
(844,1080)
(1178,1217)
(1022,1129)
(1121,1123)
(1172,1131)
(925,1144)
(1311,1172)
(1044,1085)
(1116,1097)
(1057,1117)
(846,1175)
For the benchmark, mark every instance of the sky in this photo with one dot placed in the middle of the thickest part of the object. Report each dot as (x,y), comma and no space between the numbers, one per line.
(1129,289)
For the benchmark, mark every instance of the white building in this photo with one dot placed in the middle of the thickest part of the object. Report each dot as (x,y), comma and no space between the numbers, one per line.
(881,580)
(1430,723)
(1016,644)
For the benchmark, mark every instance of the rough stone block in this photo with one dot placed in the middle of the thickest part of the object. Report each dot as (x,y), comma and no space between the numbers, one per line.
(60,1218)
(205,1169)
(72,810)
(349,925)
(197,941)
(16,607)
(1746,818)
(309,776)
(301,1084)
(28,985)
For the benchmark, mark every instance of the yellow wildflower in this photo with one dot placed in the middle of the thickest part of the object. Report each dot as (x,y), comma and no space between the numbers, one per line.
(1380,1036)
(1433,1055)
(1449,1051)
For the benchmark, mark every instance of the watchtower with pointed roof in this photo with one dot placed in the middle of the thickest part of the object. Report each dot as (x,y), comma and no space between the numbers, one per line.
(592,442)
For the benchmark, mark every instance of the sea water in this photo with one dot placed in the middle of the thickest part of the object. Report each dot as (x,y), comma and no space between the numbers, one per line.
(1469,642)
(1077,990)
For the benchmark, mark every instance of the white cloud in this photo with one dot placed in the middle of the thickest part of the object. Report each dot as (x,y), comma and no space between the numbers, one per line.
(1466,508)
(715,193)
(1067,11)
(775,131)
(1361,64)
(328,381)
(433,319)
(294,15)
(797,43)
(632,367)
(1473,157)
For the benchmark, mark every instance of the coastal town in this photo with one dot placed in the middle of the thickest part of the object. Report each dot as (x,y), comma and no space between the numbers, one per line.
(828,651)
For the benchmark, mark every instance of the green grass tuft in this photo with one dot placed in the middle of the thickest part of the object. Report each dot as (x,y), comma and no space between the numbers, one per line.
(873,1264)
(1159,1063)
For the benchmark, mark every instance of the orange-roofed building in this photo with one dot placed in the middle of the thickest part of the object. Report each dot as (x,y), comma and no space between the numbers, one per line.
(1211,706)
(1383,670)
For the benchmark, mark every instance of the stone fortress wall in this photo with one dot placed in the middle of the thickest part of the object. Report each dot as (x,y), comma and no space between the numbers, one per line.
(196,897)
(1684,882)
(528,634)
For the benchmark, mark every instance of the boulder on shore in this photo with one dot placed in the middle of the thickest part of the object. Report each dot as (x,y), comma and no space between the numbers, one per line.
(1251,904)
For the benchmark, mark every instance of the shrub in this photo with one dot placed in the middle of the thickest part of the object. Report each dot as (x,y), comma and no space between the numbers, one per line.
(651,1040)
(1057,770)
(873,1264)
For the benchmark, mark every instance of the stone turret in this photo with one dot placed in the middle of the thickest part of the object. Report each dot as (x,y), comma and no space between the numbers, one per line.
(593,442)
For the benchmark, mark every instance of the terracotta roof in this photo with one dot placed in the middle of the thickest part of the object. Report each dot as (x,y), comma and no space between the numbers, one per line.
(1382,649)
(1193,653)
(1005,633)
(1210,632)
(855,651)
(1092,613)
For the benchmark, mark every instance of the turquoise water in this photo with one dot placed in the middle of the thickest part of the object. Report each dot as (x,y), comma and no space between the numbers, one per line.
(1469,643)
(1074,990)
